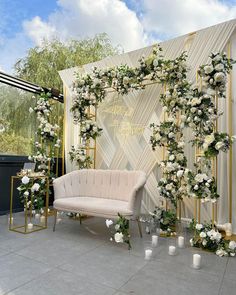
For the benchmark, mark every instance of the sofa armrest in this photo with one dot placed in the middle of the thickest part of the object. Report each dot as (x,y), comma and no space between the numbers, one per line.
(137,195)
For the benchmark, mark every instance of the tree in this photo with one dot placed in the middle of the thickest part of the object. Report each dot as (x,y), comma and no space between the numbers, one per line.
(42,63)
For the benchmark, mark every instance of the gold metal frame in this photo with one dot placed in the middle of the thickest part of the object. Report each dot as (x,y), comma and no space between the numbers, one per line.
(23,229)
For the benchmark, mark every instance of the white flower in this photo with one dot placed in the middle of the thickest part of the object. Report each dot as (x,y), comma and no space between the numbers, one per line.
(209,139)
(204,242)
(35,187)
(219,77)
(202,234)
(119,237)
(208,69)
(199,226)
(109,222)
(171,157)
(219,145)
(26,193)
(171,135)
(221,252)
(191,242)
(196,187)
(219,67)
(117,227)
(25,180)
(180,173)
(232,245)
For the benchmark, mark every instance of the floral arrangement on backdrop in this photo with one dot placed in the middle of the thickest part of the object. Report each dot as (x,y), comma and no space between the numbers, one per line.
(169,133)
(184,106)
(120,230)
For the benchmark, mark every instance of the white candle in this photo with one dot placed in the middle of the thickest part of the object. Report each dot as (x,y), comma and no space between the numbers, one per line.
(181,242)
(42,219)
(37,216)
(154,240)
(172,250)
(30,225)
(148,254)
(196,261)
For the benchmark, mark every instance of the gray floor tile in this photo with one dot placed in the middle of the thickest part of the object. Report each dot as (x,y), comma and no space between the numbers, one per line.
(167,278)
(16,270)
(109,265)
(228,286)
(59,282)
(57,251)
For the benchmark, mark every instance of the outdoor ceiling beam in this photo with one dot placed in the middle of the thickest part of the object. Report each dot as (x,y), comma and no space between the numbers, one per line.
(30,87)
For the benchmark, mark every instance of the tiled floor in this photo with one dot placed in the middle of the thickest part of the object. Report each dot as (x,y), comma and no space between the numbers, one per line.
(80,259)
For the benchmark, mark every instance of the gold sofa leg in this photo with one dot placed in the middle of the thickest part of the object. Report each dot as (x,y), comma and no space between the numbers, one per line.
(55,220)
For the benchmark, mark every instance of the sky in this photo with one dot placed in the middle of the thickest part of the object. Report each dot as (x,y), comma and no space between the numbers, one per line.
(130,23)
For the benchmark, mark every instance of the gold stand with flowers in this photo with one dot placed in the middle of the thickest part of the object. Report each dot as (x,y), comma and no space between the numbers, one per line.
(29,226)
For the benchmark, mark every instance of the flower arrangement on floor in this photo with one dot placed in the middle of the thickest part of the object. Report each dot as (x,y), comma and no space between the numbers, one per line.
(120,230)
(209,238)
(31,192)
(166,218)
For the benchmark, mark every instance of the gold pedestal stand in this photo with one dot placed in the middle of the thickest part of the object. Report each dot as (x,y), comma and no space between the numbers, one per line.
(24,229)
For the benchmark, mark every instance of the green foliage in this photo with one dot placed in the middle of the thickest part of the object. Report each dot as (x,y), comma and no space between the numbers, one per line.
(123,224)
(42,64)
(16,126)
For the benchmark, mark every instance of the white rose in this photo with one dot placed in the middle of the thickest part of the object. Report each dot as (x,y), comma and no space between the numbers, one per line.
(219,145)
(180,173)
(209,139)
(202,234)
(35,187)
(119,237)
(204,242)
(219,67)
(117,227)
(208,69)
(219,77)
(171,135)
(232,245)
(199,226)
(25,180)
(191,242)
(171,157)
(109,222)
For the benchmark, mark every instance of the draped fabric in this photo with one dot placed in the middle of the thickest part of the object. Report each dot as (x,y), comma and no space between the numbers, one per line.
(125,120)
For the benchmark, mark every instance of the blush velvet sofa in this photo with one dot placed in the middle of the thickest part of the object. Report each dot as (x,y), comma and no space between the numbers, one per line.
(101,193)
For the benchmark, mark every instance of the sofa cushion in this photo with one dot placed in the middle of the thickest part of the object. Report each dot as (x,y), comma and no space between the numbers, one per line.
(94,206)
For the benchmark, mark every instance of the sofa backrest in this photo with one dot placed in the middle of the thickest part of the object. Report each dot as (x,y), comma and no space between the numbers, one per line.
(112,184)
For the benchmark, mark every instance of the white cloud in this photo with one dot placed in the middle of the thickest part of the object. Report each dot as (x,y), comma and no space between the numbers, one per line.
(170,18)
(85,18)
(38,30)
